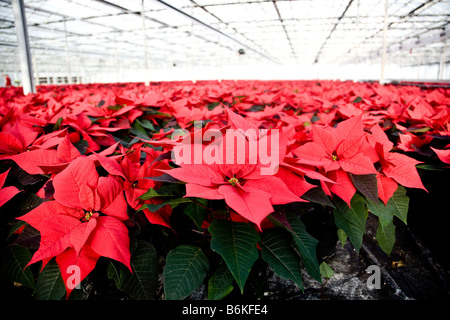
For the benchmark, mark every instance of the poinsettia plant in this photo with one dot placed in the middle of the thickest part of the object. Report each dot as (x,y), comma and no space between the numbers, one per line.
(204,183)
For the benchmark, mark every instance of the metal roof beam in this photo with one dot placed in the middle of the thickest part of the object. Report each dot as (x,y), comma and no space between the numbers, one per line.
(215,30)
(284,27)
(331,32)
(225,23)
(138,13)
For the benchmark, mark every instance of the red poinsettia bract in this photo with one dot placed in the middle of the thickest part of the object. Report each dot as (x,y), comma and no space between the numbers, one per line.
(83,223)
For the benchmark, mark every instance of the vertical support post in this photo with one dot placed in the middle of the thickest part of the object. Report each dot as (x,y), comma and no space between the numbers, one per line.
(383,53)
(145,44)
(24,47)
(442,62)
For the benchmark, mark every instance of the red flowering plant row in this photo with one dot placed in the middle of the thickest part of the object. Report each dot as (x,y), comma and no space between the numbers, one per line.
(203,183)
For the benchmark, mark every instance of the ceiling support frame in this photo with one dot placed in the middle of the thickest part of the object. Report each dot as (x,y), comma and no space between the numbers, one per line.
(26,63)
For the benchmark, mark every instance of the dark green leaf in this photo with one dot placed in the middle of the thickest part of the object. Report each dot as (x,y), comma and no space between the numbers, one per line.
(142,283)
(173,203)
(317,195)
(146,124)
(306,244)
(386,235)
(164,178)
(352,220)
(27,179)
(81,146)
(139,130)
(397,206)
(213,105)
(50,285)
(28,202)
(197,212)
(236,242)
(16,226)
(14,259)
(342,236)
(357,100)
(220,283)
(186,267)
(283,259)
(430,167)
(29,238)
(366,184)
(151,193)
(57,124)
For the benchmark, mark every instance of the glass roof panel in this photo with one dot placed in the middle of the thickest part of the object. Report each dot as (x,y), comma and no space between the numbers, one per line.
(224,34)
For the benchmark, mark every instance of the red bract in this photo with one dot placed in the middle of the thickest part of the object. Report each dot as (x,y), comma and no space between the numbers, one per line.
(240,182)
(109,159)
(138,181)
(6,193)
(444,155)
(86,219)
(17,138)
(342,148)
(396,166)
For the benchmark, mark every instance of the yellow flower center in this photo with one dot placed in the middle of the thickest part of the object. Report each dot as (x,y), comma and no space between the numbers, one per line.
(233,181)
(334,157)
(88,215)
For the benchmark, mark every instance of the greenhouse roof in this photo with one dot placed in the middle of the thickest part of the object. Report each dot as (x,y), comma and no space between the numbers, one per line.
(91,36)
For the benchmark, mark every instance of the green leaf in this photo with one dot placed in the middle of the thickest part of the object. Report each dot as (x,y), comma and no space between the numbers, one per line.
(418,130)
(342,236)
(367,185)
(400,202)
(173,203)
(213,105)
(352,220)
(57,124)
(197,212)
(326,271)
(142,283)
(50,285)
(357,100)
(317,195)
(386,235)
(146,124)
(383,212)
(139,130)
(431,167)
(28,203)
(283,259)
(151,193)
(16,226)
(29,238)
(220,283)
(397,206)
(116,107)
(186,267)
(236,243)
(306,244)
(14,259)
